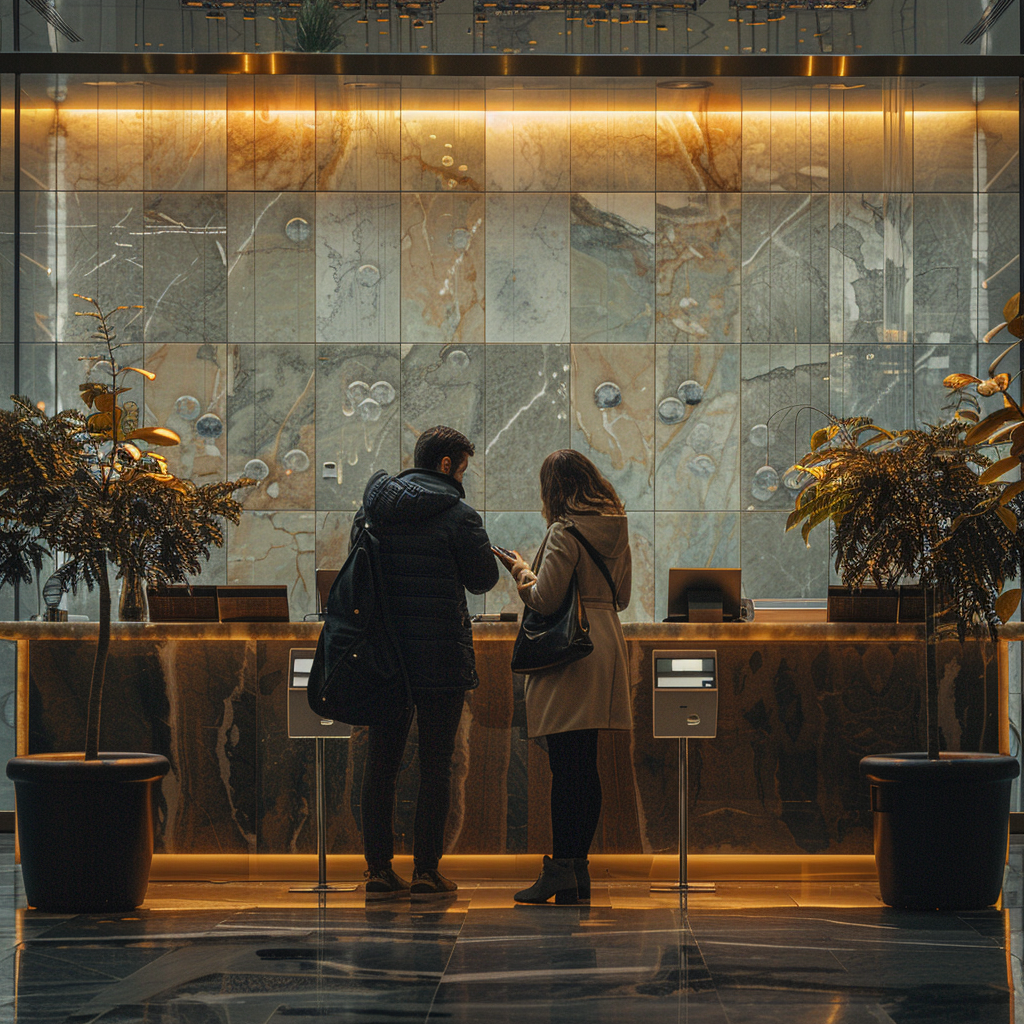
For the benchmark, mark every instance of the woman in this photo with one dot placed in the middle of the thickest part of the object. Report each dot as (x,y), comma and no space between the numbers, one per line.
(569,704)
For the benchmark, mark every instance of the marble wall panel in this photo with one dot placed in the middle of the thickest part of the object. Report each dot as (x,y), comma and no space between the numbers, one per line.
(784,137)
(185,263)
(997,140)
(784,291)
(332,538)
(697,445)
(612,136)
(527,268)
(698,146)
(785,396)
(38,314)
(947,149)
(443,268)
(284,133)
(284,286)
(271,418)
(120,142)
(6,132)
(998,256)
(527,417)
(38,135)
(861,140)
(189,396)
(185,133)
(241,133)
(612,415)
(103,244)
(697,539)
(642,531)
(7,384)
(193,703)
(778,564)
(443,128)
(240,253)
(931,364)
(857,226)
(445,384)
(37,375)
(527,137)
(7,255)
(359,411)
(357,268)
(697,252)
(517,531)
(611,270)
(276,547)
(358,136)
(946,236)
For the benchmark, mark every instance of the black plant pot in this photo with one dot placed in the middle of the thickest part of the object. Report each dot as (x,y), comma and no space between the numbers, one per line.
(940,827)
(85,829)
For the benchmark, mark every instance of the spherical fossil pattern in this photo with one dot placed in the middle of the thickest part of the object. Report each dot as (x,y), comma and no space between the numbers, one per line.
(209,426)
(691,392)
(607,395)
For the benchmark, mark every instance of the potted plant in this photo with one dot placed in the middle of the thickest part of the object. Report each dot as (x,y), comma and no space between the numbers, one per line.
(91,490)
(929,505)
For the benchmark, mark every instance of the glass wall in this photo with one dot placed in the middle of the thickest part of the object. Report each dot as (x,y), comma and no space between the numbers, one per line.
(677,278)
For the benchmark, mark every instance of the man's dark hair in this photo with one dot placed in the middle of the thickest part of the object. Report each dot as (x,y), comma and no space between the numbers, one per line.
(437,442)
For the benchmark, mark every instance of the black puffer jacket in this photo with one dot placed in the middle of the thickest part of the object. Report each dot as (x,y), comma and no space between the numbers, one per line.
(433,549)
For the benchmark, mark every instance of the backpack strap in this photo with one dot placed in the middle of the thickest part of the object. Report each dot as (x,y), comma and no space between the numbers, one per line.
(598,560)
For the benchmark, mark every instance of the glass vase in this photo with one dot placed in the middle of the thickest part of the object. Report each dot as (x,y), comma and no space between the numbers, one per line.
(132,606)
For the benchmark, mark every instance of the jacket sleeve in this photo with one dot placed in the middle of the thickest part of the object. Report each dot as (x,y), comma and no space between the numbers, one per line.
(478,568)
(558,561)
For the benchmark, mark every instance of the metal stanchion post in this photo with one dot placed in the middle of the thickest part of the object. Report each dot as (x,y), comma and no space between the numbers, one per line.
(683,885)
(321,829)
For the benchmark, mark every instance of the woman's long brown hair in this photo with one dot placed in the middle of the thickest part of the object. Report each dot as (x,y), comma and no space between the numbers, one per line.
(571,483)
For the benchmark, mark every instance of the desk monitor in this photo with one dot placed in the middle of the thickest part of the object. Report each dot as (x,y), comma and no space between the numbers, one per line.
(703,589)
(181,604)
(324,581)
(253,604)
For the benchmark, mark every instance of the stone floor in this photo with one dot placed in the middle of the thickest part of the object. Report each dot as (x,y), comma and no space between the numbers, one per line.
(240,953)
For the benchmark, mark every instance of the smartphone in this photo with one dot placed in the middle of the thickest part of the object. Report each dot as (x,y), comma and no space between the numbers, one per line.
(504,551)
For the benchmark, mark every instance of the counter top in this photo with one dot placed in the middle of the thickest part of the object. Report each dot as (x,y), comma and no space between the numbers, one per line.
(307,632)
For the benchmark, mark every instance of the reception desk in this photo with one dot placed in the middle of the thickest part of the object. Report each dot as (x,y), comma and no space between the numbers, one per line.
(799,706)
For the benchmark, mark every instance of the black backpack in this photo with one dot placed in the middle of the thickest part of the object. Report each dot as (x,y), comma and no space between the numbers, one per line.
(358,675)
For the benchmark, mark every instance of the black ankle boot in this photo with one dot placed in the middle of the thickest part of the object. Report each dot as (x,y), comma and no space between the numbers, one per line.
(558,879)
(579,866)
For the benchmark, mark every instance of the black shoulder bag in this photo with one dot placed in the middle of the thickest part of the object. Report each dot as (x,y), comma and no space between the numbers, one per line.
(358,675)
(548,641)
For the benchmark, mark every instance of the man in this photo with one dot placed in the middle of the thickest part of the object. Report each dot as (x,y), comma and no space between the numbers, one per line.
(433,547)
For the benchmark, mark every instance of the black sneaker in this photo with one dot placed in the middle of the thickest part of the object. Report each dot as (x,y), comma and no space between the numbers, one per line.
(430,884)
(384,884)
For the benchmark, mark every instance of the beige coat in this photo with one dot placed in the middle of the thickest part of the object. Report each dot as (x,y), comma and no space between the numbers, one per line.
(592,693)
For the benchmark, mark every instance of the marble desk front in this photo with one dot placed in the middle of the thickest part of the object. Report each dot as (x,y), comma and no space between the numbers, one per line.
(799,706)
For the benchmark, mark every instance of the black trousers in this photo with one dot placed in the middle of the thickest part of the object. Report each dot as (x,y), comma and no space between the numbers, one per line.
(575,792)
(437,717)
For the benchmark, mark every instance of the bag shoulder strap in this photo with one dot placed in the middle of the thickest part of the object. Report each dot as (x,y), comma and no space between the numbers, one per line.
(598,560)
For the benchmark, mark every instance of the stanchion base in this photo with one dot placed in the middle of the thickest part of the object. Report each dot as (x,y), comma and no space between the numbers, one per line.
(325,888)
(683,887)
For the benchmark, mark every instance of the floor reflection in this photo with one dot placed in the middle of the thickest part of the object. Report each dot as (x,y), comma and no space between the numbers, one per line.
(254,953)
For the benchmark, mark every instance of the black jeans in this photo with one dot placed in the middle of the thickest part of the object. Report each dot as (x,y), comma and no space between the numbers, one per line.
(437,717)
(575,792)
